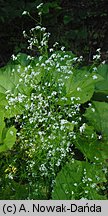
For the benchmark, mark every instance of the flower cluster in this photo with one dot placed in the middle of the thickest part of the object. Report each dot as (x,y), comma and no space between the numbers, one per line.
(47,121)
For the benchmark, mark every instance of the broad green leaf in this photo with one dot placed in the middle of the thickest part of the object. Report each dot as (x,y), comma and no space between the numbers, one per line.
(103,85)
(101,88)
(8,79)
(2,124)
(79,179)
(97,116)
(3,101)
(9,140)
(7,135)
(81,85)
(13,110)
(92,145)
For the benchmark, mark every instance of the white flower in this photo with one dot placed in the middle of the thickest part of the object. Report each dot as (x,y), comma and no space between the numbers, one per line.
(74,59)
(103,62)
(82,128)
(94,77)
(98,50)
(93,185)
(24,33)
(25,13)
(93,110)
(100,137)
(43,29)
(89,179)
(62,48)
(63,121)
(39,6)
(96,57)
(56,43)
(40,13)
(11,133)
(95,68)
(14,57)
(51,50)
(89,104)
(75,184)
(78,89)
(38,27)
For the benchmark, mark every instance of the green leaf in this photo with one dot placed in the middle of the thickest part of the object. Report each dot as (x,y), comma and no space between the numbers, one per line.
(3,101)
(97,116)
(79,179)
(81,85)
(2,124)
(8,79)
(101,88)
(9,140)
(22,59)
(67,19)
(93,148)
(97,147)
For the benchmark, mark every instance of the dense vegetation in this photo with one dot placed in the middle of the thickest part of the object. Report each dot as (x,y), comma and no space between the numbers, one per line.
(54,106)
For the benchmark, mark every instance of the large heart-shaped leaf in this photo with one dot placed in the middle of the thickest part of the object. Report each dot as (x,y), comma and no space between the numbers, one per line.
(79,179)
(81,85)
(92,145)
(2,124)
(7,135)
(102,86)
(97,115)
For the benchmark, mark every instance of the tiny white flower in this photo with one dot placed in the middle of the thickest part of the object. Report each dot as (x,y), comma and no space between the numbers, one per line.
(39,6)
(93,185)
(82,128)
(62,48)
(96,57)
(51,50)
(40,13)
(56,43)
(89,179)
(11,133)
(95,68)
(43,29)
(104,62)
(93,110)
(78,89)
(98,50)
(14,57)
(38,27)
(89,104)
(100,137)
(25,13)
(94,77)
(75,184)
(75,58)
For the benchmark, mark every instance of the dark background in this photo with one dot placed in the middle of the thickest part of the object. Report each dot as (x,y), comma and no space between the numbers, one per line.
(79,25)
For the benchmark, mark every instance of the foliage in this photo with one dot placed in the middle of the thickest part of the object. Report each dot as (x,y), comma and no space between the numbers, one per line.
(7,135)
(49,101)
(77,180)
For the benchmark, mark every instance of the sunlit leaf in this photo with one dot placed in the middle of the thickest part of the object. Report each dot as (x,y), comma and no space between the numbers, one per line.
(78,180)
